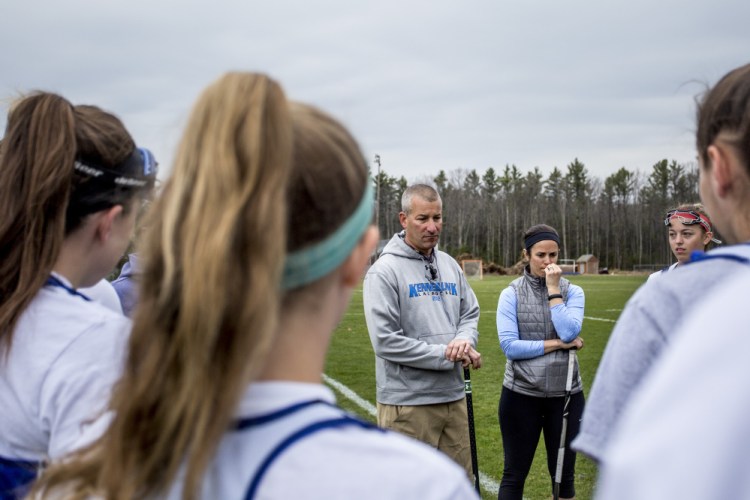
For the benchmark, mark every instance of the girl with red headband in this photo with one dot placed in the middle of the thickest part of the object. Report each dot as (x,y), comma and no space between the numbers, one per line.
(689,230)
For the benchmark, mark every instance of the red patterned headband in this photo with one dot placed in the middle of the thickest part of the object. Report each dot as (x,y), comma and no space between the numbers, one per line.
(689,217)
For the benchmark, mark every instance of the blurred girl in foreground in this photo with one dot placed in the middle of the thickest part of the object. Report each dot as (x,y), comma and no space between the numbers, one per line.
(685,432)
(250,260)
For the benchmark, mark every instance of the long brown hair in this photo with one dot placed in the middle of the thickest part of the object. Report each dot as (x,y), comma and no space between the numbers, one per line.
(42,198)
(210,286)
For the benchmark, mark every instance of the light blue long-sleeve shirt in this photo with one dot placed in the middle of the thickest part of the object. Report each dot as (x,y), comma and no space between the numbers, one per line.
(567,318)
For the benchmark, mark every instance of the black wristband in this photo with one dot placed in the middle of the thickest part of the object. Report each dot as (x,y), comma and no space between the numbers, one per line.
(555,296)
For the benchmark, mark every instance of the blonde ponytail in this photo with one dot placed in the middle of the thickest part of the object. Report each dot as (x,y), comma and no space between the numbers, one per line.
(210,282)
(209,297)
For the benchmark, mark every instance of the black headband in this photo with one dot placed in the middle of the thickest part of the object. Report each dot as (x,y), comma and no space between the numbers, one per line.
(137,171)
(530,241)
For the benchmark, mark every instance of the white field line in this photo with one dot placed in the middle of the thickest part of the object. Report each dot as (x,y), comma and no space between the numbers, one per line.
(351,395)
(600,319)
(486,481)
(488,484)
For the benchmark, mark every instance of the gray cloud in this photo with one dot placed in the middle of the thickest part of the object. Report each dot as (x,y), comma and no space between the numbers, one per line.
(428,85)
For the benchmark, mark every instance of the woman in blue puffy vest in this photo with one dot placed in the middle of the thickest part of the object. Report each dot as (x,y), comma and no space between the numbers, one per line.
(539,318)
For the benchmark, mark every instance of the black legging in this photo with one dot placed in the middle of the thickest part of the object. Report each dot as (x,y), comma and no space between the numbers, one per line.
(522,419)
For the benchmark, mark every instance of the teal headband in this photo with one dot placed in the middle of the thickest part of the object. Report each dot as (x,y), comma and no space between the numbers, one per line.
(313,262)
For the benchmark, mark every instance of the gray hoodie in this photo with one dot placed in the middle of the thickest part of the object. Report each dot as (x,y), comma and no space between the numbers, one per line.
(411,319)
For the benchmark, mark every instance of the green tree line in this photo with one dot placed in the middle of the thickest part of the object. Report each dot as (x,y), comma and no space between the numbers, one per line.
(619,219)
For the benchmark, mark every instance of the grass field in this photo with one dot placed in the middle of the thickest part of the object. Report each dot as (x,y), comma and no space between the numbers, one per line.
(351,362)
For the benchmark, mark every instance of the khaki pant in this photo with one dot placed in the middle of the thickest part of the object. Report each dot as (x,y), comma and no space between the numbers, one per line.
(444,426)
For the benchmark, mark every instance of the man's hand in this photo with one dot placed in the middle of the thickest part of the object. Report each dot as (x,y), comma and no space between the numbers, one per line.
(457,349)
(473,358)
(461,350)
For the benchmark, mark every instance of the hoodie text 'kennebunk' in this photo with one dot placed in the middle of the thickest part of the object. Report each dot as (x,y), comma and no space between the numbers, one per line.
(436,288)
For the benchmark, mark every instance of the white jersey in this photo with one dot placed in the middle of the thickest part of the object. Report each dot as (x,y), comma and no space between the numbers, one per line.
(660,272)
(686,433)
(66,354)
(104,293)
(344,459)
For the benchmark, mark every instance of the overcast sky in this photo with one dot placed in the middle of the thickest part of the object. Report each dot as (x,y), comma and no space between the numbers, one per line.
(427,85)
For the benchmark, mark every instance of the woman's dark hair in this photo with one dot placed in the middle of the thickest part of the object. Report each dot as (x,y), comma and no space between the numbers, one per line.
(537,233)
(45,192)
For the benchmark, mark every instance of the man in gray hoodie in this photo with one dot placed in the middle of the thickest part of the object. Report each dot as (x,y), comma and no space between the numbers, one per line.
(422,319)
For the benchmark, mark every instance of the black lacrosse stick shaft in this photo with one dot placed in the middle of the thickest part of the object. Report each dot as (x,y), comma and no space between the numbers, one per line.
(472,435)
